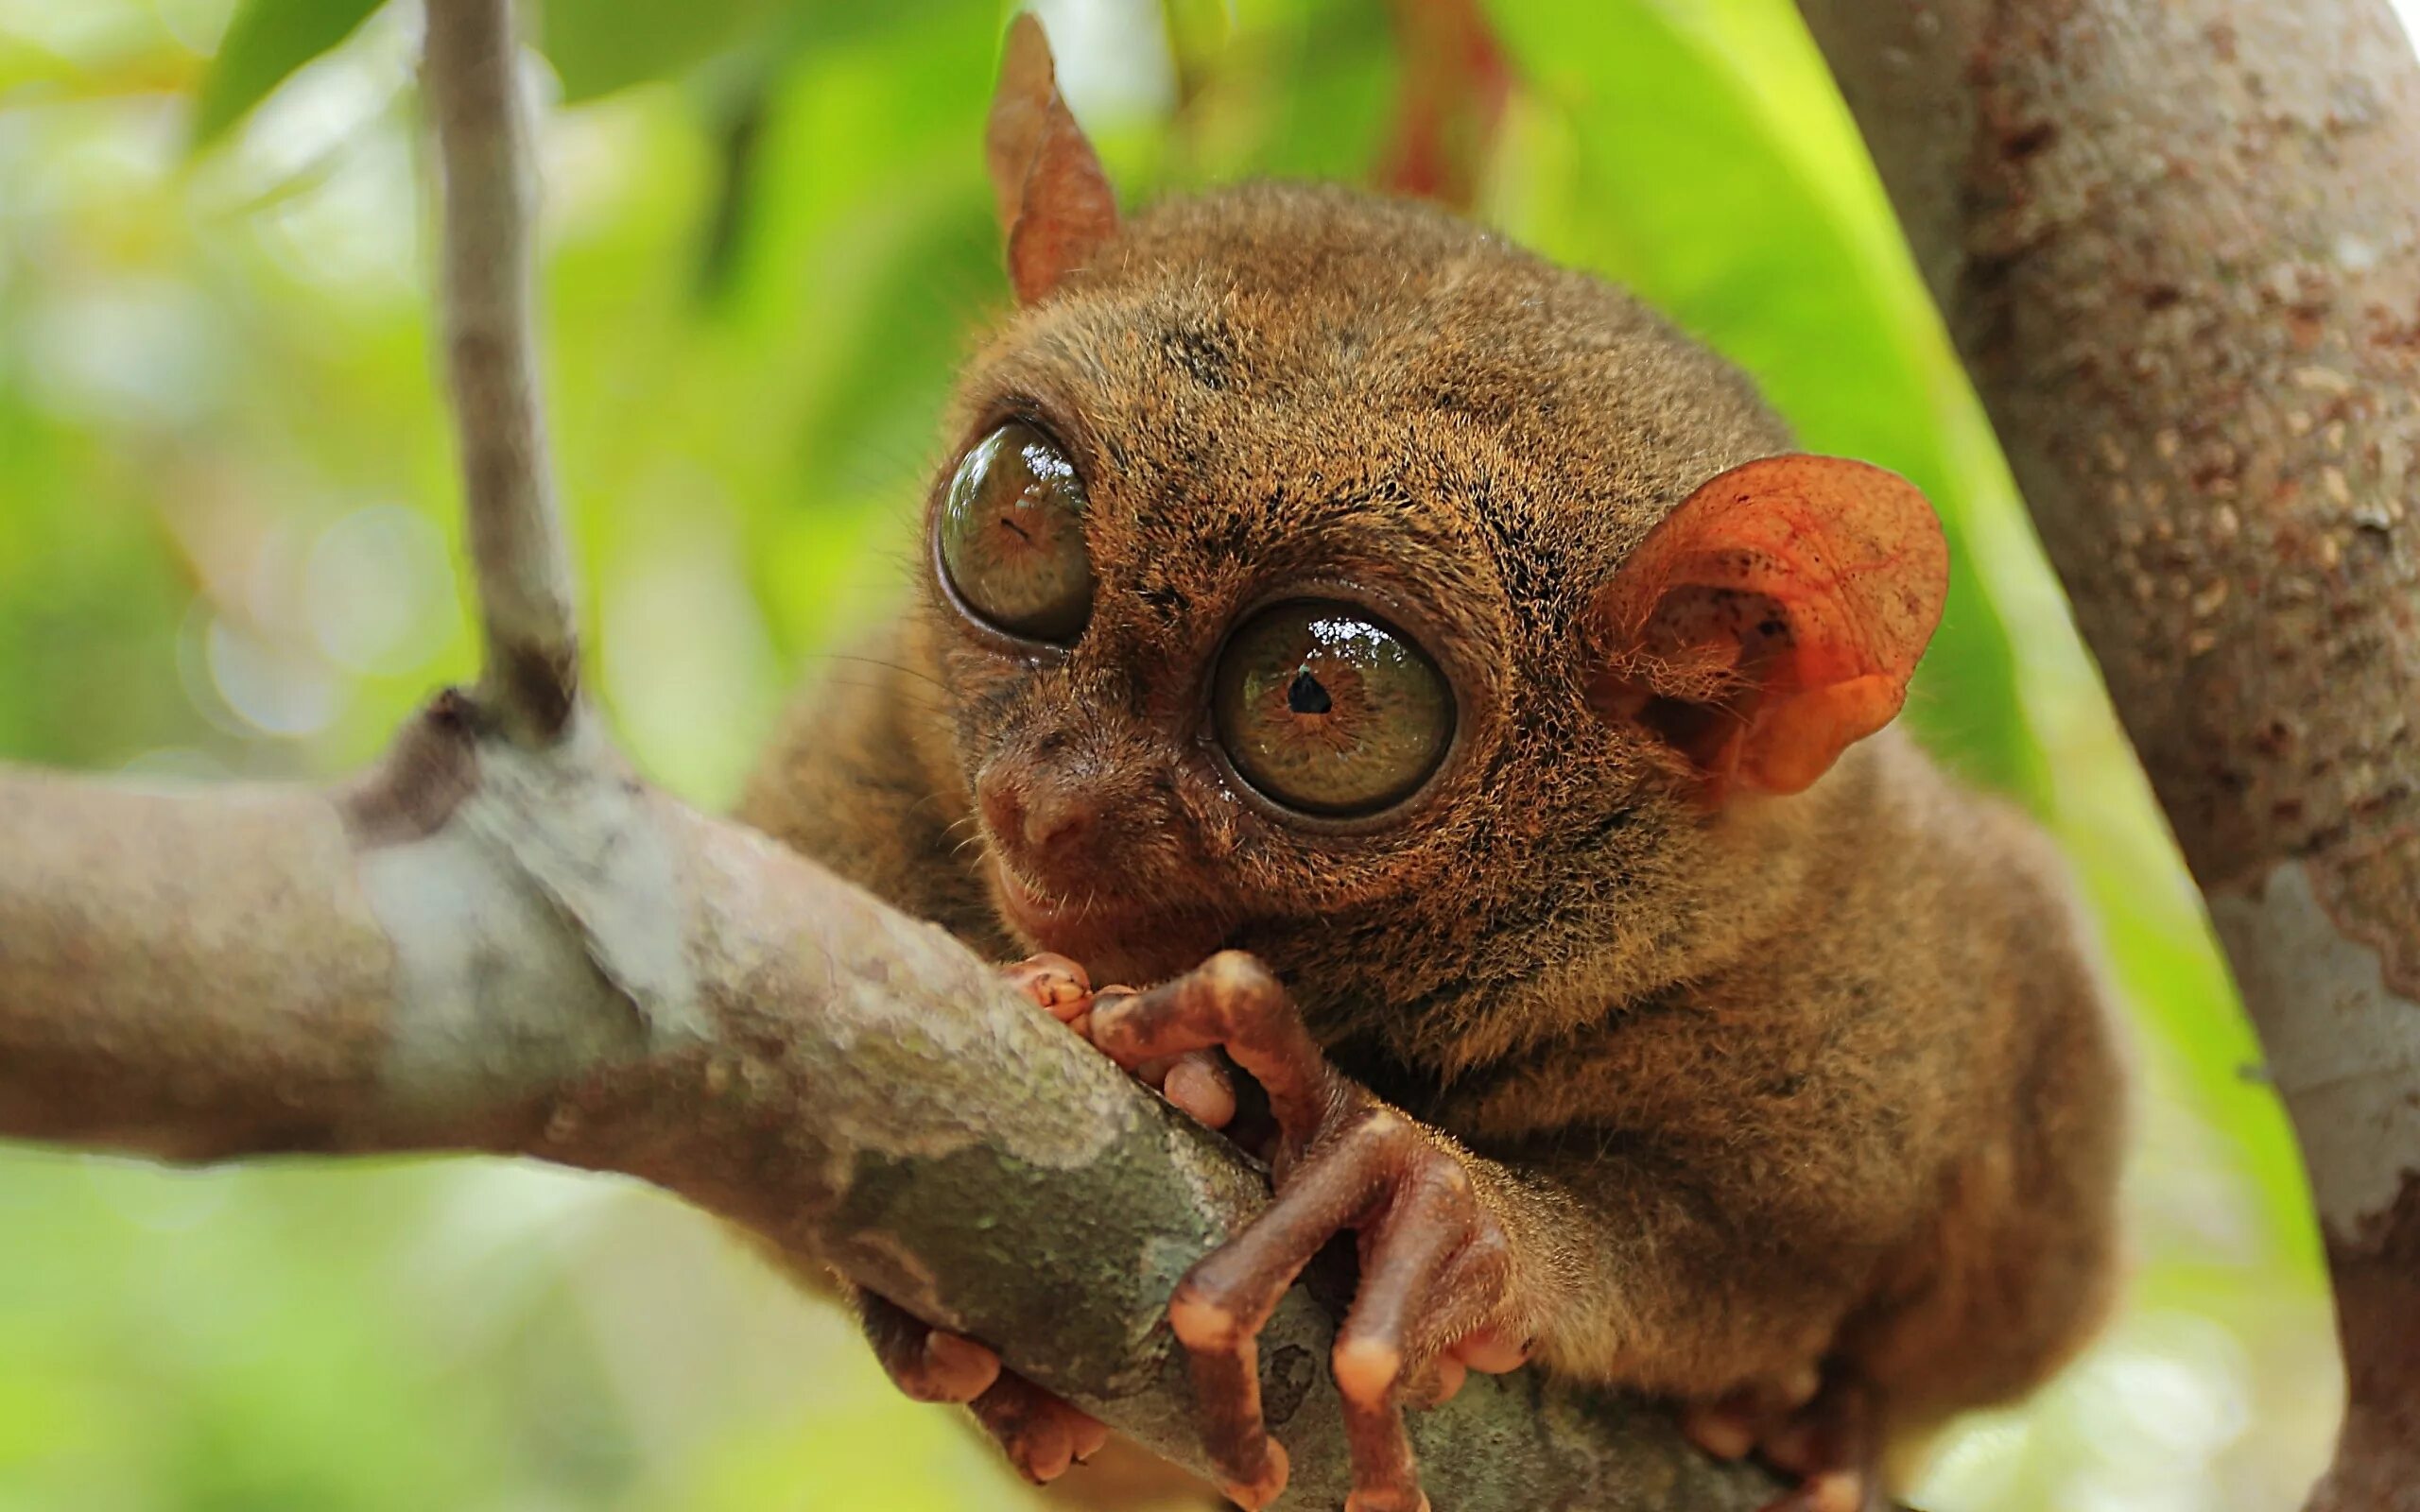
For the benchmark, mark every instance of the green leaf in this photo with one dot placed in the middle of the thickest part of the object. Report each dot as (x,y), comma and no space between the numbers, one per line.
(266,43)
(598,46)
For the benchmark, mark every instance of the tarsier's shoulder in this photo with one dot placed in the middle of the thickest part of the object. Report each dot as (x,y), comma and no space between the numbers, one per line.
(1950,942)
(1963,845)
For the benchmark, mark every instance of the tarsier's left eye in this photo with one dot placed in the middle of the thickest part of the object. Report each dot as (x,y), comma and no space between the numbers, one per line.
(1327,710)
(1012,534)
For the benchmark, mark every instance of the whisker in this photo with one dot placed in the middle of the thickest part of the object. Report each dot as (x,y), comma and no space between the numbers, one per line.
(900,667)
(921,703)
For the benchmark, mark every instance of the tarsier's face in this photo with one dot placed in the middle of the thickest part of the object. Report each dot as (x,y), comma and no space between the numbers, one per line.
(1297,584)
(1317,574)
(1160,750)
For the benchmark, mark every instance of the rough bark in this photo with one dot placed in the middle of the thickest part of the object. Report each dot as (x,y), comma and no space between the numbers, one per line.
(499,941)
(2178,244)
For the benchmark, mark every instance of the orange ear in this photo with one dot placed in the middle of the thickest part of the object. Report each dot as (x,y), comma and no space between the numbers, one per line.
(1056,206)
(1774,619)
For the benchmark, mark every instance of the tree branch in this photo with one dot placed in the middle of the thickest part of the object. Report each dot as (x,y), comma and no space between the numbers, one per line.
(516,536)
(444,956)
(2179,247)
(499,941)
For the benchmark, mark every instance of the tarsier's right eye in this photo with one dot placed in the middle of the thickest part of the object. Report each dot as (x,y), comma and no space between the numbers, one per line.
(1012,533)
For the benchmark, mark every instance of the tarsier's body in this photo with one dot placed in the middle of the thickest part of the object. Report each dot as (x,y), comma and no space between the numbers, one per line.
(1753,1078)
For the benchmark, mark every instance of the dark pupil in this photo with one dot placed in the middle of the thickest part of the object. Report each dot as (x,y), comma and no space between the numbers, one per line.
(1305,697)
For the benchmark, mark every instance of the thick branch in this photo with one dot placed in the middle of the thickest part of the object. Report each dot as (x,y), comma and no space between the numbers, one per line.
(443,958)
(2179,246)
(517,552)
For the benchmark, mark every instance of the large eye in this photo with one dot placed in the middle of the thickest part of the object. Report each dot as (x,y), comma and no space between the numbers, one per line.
(1327,710)
(1012,536)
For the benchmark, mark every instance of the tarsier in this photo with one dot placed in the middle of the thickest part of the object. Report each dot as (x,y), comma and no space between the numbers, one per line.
(1443,681)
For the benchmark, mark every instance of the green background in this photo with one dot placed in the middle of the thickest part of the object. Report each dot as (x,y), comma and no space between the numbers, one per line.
(227,549)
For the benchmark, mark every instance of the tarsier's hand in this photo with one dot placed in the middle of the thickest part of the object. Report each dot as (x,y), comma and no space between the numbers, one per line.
(1435,1296)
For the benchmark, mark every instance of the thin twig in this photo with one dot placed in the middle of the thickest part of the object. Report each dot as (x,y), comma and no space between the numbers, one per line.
(516,536)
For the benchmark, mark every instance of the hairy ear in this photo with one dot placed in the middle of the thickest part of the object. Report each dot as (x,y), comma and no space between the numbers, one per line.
(1056,206)
(1774,619)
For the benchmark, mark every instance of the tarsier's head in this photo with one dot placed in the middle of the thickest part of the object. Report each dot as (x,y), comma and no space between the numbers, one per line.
(1319,573)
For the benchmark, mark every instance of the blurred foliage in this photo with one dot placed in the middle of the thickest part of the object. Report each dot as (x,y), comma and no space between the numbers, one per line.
(227,546)
(265,44)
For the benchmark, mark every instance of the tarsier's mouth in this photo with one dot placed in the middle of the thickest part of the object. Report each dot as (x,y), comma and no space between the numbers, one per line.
(1037,911)
(1107,931)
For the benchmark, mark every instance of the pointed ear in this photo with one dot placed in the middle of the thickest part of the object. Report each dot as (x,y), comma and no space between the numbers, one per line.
(1773,620)
(1056,206)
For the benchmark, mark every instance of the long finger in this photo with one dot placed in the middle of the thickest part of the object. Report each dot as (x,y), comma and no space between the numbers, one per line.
(1223,1302)
(1229,1001)
(1404,1252)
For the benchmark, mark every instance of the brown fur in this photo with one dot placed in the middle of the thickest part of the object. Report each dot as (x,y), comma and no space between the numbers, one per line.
(1790,1077)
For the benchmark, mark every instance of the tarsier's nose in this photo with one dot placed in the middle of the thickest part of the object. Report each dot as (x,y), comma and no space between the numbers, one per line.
(1047,818)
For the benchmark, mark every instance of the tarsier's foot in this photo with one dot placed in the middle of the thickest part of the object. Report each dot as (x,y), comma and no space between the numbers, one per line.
(925,1363)
(1434,1294)
(1817,1428)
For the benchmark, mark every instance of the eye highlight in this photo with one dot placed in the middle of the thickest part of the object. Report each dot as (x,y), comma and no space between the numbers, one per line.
(1012,536)
(1325,710)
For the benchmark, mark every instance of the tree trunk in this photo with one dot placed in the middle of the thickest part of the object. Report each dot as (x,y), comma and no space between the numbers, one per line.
(2178,244)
